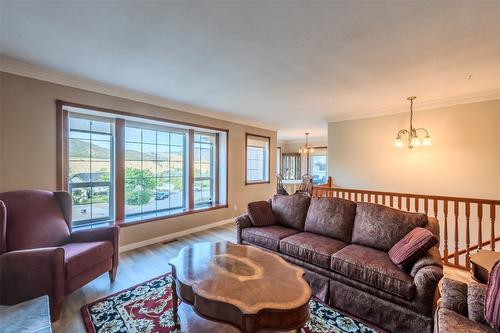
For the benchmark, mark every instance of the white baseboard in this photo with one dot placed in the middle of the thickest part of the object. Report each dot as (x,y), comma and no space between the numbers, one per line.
(174,235)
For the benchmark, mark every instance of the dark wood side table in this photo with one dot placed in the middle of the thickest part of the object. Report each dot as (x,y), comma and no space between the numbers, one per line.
(246,287)
(482,263)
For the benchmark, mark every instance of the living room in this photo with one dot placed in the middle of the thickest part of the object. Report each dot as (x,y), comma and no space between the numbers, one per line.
(309,166)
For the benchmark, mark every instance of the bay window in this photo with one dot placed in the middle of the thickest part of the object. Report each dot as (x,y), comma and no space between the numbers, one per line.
(125,168)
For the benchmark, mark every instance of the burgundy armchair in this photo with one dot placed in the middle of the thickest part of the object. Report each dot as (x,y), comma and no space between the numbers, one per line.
(39,253)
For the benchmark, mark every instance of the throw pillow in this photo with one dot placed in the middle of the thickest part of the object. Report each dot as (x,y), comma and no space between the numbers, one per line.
(412,247)
(492,308)
(261,214)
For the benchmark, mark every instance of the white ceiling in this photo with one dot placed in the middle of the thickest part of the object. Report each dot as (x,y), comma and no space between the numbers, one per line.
(290,65)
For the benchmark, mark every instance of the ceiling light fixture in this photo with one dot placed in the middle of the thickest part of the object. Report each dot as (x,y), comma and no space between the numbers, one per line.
(307,149)
(411,137)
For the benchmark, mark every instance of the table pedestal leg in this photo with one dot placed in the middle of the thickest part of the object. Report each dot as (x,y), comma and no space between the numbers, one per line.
(175,301)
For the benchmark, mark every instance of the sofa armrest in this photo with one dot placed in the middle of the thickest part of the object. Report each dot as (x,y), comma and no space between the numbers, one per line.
(454,296)
(28,274)
(111,233)
(432,258)
(242,222)
(476,296)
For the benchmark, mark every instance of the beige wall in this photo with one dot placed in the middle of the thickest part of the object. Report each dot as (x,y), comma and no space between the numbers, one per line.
(28,148)
(464,159)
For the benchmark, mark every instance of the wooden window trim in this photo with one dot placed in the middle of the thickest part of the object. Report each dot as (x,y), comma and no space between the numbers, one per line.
(268,160)
(62,160)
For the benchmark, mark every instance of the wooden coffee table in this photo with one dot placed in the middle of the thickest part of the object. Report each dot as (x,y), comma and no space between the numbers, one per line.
(244,286)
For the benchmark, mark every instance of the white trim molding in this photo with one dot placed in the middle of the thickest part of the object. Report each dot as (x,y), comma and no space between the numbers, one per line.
(167,237)
(16,67)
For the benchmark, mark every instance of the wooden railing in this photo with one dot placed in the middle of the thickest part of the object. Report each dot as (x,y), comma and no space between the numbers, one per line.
(466,224)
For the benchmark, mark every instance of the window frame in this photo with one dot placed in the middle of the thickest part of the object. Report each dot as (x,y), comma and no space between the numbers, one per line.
(62,165)
(310,160)
(268,138)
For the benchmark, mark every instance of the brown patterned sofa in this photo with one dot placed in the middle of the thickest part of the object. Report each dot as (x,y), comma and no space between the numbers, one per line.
(461,309)
(343,245)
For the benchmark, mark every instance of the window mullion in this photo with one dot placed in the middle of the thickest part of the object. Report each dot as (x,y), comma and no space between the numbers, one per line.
(120,170)
(191,169)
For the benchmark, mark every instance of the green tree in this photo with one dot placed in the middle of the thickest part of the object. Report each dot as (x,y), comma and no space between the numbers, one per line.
(139,186)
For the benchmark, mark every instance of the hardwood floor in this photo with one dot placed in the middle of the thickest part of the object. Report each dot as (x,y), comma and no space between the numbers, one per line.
(142,264)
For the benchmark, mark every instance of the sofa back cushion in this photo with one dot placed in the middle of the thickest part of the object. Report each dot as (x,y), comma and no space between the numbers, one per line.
(261,214)
(291,210)
(34,220)
(332,217)
(381,227)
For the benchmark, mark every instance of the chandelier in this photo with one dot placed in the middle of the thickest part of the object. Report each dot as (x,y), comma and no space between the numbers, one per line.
(307,148)
(411,137)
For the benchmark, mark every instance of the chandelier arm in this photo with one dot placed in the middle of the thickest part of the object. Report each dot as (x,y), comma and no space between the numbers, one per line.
(403,132)
(422,129)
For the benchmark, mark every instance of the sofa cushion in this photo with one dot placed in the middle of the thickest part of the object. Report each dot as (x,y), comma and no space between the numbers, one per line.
(448,321)
(381,227)
(373,267)
(412,247)
(291,210)
(312,248)
(332,217)
(261,214)
(79,257)
(492,306)
(268,237)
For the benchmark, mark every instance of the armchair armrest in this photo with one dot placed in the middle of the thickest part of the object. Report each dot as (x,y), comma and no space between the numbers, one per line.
(454,296)
(476,297)
(242,222)
(111,233)
(28,274)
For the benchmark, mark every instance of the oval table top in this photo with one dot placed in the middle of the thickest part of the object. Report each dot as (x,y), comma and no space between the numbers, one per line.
(241,284)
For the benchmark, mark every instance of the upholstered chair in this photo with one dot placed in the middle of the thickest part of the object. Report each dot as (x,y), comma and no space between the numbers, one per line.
(461,309)
(39,253)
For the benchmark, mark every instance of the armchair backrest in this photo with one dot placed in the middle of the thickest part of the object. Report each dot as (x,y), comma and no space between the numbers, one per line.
(34,219)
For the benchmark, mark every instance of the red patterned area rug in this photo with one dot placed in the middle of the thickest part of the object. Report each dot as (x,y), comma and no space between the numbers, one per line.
(147,308)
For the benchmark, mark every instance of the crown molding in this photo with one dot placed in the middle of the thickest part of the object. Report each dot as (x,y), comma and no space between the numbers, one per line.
(12,66)
(422,106)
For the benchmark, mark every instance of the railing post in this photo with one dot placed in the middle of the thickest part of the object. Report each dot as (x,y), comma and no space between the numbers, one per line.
(467,235)
(445,212)
(456,211)
(480,225)
(492,218)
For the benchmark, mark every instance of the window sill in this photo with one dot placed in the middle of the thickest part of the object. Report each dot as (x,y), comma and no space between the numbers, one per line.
(125,223)
(259,182)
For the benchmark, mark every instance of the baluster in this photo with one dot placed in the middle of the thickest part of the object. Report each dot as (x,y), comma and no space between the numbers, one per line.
(391,201)
(467,235)
(399,201)
(376,198)
(480,225)
(456,211)
(417,204)
(426,206)
(492,217)
(436,208)
(383,199)
(369,198)
(408,203)
(445,212)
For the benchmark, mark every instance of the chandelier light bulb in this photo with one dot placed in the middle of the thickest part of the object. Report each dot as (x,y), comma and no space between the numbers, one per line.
(398,143)
(427,141)
(415,141)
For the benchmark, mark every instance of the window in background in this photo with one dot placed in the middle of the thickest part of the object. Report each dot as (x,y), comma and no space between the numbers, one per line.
(291,166)
(319,165)
(155,170)
(204,169)
(257,159)
(90,168)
